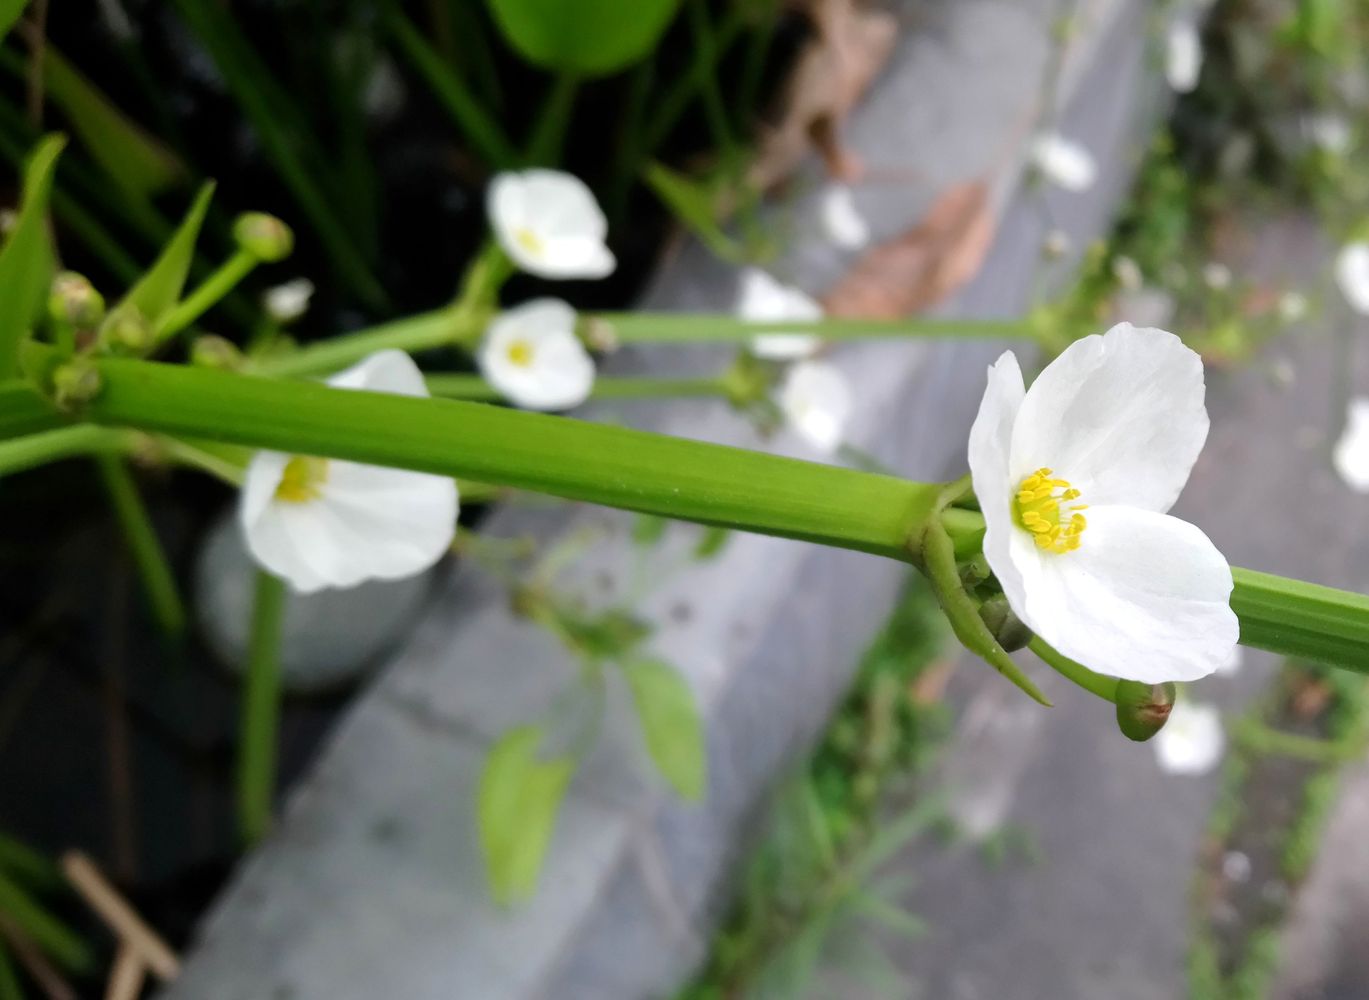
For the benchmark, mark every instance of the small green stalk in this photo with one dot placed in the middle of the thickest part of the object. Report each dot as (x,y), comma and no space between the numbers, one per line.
(33,450)
(473,387)
(690,327)
(58,941)
(159,583)
(260,710)
(1096,684)
(424,332)
(10,988)
(210,291)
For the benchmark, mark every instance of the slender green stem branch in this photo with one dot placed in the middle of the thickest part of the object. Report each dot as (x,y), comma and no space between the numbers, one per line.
(209,292)
(9,976)
(637,327)
(21,453)
(474,387)
(1262,738)
(159,582)
(1096,684)
(423,332)
(24,411)
(260,710)
(63,945)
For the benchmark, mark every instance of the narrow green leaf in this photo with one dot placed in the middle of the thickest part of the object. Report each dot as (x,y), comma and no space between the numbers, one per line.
(58,941)
(10,10)
(159,289)
(135,160)
(26,262)
(711,543)
(520,797)
(670,722)
(593,37)
(648,529)
(695,208)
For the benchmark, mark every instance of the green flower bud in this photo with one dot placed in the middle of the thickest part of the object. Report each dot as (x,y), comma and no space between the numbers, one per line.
(74,384)
(1006,627)
(263,236)
(126,331)
(1143,709)
(974,571)
(213,351)
(74,300)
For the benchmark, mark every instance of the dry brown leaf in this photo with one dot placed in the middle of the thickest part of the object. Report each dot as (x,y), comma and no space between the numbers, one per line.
(924,265)
(850,47)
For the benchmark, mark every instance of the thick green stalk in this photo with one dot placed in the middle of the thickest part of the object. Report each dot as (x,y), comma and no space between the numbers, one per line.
(476,388)
(1302,620)
(210,291)
(159,583)
(424,332)
(682,326)
(24,411)
(260,710)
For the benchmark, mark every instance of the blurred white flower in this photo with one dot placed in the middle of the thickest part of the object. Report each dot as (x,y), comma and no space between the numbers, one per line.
(1128,273)
(1064,162)
(1183,56)
(533,357)
(1351,454)
(1231,666)
(1192,741)
(816,401)
(1329,132)
(1352,275)
(319,522)
(841,220)
(1216,276)
(287,302)
(1056,244)
(762,299)
(1292,306)
(549,224)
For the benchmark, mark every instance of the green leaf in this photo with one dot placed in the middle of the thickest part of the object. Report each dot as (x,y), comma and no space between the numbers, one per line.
(648,529)
(136,161)
(670,723)
(26,262)
(520,796)
(695,208)
(590,37)
(159,289)
(9,14)
(711,543)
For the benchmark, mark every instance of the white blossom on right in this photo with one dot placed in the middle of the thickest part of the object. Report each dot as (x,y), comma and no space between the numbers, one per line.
(533,357)
(816,401)
(762,299)
(1064,162)
(841,220)
(1352,275)
(1351,454)
(1192,740)
(1183,56)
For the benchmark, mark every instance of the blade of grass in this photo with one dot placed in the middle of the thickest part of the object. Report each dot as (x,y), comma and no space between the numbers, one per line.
(260,710)
(58,941)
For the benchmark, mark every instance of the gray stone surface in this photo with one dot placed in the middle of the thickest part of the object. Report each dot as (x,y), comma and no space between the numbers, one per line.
(372,885)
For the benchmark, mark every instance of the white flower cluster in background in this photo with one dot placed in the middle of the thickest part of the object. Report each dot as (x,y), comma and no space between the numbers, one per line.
(1192,741)
(1064,162)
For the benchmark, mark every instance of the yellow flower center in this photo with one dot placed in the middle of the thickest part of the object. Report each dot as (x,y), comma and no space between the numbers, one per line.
(520,353)
(302,479)
(529,241)
(1041,506)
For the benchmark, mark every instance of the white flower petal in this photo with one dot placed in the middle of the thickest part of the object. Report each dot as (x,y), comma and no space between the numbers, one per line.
(1330,132)
(389,371)
(762,299)
(287,302)
(990,445)
(1352,275)
(841,220)
(1120,416)
(816,400)
(1192,741)
(1351,454)
(549,224)
(1231,666)
(533,357)
(1183,56)
(1145,597)
(1064,162)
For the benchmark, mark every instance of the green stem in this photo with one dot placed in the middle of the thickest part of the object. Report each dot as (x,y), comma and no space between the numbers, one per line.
(10,989)
(22,453)
(260,710)
(548,136)
(1255,735)
(24,411)
(63,945)
(31,867)
(1077,673)
(476,388)
(424,332)
(159,582)
(638,327)
(210,291)
(1302,620)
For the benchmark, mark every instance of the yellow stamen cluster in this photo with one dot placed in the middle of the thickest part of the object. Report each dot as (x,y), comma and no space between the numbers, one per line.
(520,353)
(302,479)
(529,241)
(1041,505)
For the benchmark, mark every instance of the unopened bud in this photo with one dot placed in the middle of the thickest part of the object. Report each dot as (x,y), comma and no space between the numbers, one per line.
(74,300)
(74,384)
(213,351)
(1006,627)
(1143,709)
(263,236)
(601,335)
(975,571)
(126,331)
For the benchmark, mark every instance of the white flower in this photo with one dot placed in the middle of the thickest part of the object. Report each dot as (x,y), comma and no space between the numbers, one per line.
(1183,56)
(1056,244)
(1216,275)
(762,299)
(320,522)
(549,224)
(1192,741)
(1064,162)
(1231,666)
(816,400)
(1128,273)
(1292,306)
(1352,275)
(1351,455)
(1115,422)
(288,302)
(1329,132)
(841,220)
(533,357)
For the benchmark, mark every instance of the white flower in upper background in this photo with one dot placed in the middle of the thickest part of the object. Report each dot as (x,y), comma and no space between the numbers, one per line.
(288,302)
(533,357)
(1292,306)
(549,224)
(841,220)
(762,299)
(816,401)
(1329,132)
(1192,740)
(1231,666)
(320,522)
(1352,275)
(1351,454)
(1183,56)
(1112,426)
(1064,162)
(1216,276)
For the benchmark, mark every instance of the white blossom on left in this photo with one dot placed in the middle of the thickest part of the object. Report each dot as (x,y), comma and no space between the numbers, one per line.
(533,357)
(1183,56)
(549,224)
(816,401)
(1064,162)
(762,299)
(1192,740)
(321,522)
